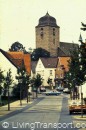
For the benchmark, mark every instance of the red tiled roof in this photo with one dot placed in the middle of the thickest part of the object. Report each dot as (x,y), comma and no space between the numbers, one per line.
(64,61)
(27,62)
(16,55)
(18,59)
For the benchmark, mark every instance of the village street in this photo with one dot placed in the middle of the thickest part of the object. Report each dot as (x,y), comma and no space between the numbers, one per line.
(47,112)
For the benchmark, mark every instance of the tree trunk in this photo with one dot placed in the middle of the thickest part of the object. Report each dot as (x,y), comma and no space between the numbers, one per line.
(8,101)
(36,93)
(27,94)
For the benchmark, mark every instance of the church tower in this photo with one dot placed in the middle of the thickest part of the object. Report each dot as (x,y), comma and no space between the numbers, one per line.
(47,34)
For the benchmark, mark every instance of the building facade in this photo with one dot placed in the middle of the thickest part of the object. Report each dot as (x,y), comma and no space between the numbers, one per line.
(48,38)
(47,34)
(46,68)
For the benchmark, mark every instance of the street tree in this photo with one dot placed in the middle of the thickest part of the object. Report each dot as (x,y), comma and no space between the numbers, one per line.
(39,52)
(83,61)
(76,75)
(1,80)
(83,26)
(83,64)
(21,89)
(1,83)
(9,81)
(37,81)
(50,83)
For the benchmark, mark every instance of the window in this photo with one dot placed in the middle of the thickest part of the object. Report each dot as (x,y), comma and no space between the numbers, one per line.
(50,72)
(42,29)
(61,75)
(53,31)
(41,33)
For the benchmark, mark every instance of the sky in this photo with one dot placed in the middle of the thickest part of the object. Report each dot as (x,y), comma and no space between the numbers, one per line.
(18,19)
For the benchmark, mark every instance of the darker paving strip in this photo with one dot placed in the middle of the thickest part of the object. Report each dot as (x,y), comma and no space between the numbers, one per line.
(65,121)
(21,110)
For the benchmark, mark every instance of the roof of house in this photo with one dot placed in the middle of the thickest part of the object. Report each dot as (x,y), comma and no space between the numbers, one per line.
(65,49)
(49,62)
(18,59)
(64,62)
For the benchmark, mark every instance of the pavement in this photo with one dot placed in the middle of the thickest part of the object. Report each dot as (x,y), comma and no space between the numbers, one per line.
(14,106)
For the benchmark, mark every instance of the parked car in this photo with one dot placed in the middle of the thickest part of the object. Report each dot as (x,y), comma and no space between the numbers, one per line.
(56,93)
(66,90)
(75,106)
(59,88)
(42,89)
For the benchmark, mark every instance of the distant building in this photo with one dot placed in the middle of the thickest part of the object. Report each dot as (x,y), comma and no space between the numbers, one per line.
(62,67)
(48,37)
(46,68)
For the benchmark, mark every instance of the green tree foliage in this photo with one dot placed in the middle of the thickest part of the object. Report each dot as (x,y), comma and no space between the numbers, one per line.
(76,75)
(50,82)
(83,26)
(23,84)
(16,46)
(9,81)
(83,61)
(1,80)
(39,52)
(37,81)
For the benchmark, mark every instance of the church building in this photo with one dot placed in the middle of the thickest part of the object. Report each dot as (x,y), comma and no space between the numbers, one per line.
(48,37)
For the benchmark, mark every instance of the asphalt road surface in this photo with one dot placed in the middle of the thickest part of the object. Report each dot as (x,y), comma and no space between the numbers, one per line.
(47,113)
